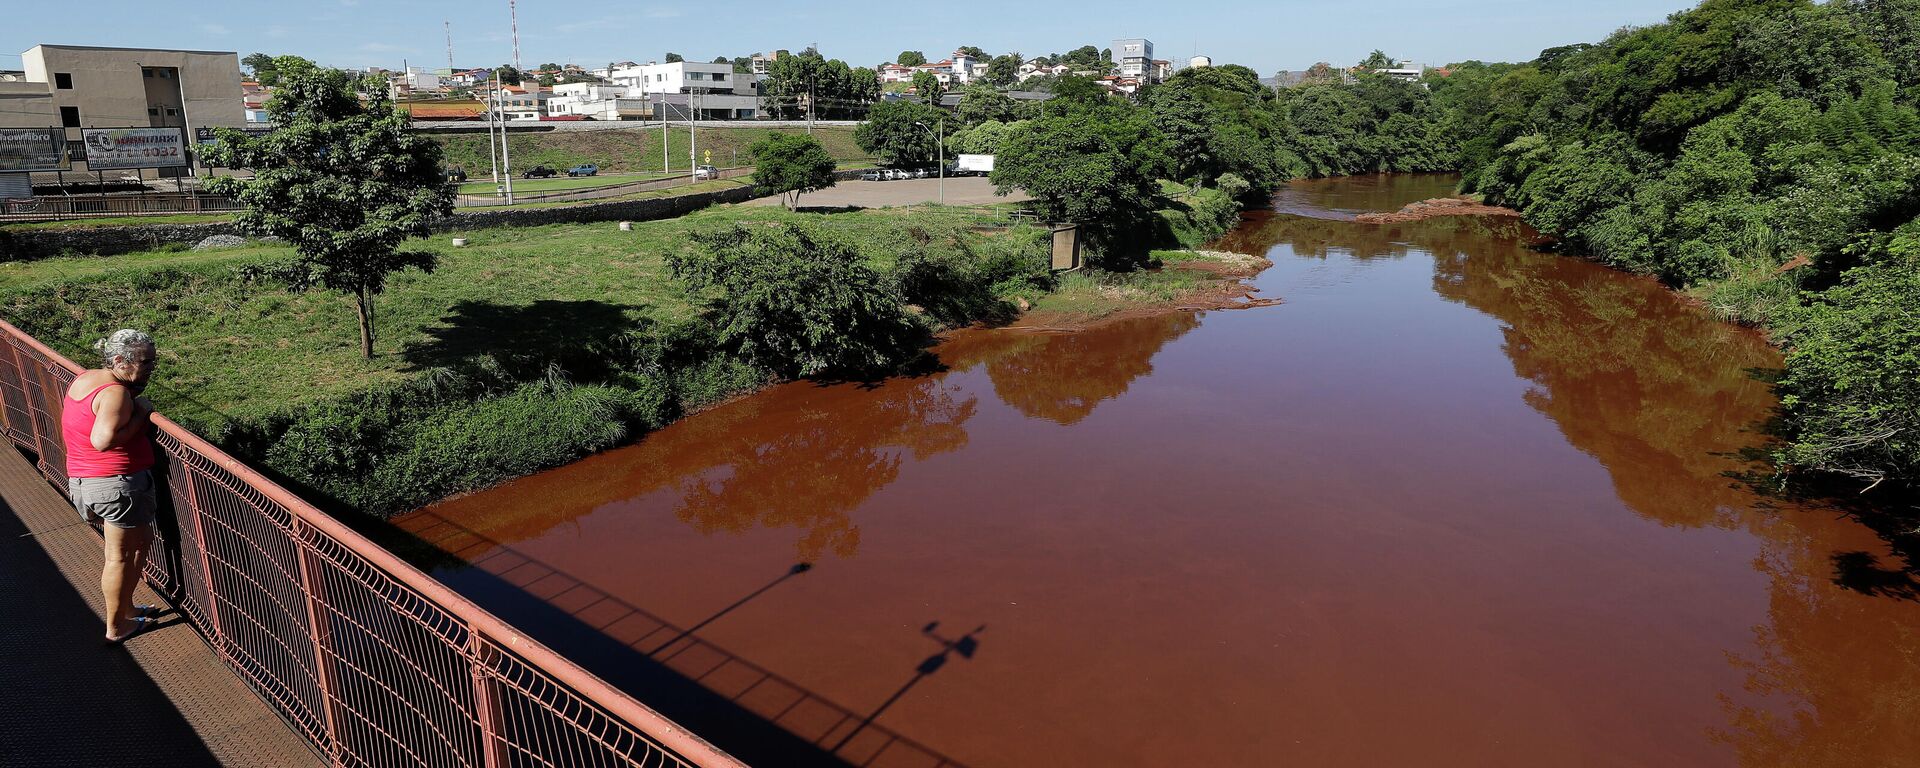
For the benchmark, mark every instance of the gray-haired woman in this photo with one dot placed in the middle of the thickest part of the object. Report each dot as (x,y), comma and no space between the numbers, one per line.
(103,421)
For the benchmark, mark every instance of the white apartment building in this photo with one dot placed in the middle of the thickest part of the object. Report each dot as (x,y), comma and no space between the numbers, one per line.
(1134,57)
(678,88)
(599,101)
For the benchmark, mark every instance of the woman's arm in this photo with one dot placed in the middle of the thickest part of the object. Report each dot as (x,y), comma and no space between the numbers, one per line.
(116,418)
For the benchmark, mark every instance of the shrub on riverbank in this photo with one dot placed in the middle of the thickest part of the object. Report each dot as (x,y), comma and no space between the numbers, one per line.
(1852,387)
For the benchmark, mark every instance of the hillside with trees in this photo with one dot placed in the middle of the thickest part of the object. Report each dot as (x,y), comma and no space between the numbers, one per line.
(1763,155)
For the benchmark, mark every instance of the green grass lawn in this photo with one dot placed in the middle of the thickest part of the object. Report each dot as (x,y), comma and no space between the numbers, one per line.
(122,221)
(241,348)
(557,183)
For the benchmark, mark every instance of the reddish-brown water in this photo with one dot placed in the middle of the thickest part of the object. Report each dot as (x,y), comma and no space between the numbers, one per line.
(1454,503)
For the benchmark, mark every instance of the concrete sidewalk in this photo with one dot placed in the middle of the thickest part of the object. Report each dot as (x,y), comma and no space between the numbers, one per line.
(67,699)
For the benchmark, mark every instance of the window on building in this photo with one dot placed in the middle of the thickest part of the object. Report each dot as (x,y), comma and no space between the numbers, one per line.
(70,117)
(696,75)
(63,81)
(146,71)
(166,74)
(153,111)
(721,76)
(171,112)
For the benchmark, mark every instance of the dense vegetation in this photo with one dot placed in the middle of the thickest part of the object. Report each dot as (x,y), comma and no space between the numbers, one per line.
(1764,154)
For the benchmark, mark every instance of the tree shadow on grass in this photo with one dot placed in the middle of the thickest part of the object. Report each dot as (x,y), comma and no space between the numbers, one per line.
(582,338)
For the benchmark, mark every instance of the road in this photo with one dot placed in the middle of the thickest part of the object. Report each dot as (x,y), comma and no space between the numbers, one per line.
(969,190)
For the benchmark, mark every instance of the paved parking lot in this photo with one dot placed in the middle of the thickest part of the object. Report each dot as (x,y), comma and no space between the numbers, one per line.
(966,190)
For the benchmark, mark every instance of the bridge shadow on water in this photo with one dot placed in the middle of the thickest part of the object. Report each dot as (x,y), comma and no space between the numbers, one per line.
(752,713)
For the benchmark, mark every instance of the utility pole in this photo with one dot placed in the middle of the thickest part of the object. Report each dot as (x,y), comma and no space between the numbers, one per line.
(448,25)
(693,138)
(660,111)
(493,148)
(506,156)
(513,14)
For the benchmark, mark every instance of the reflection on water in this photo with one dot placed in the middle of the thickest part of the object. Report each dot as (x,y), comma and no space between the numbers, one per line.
(1457,502)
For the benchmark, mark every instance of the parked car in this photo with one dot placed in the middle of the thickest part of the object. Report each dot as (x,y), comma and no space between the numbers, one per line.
(584,169)
(706,172)
(537,172)
(456,175)
(873,175)
(894,174)
(923,173)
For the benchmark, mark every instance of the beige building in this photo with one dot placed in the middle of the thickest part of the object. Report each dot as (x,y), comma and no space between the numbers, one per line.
(87,87)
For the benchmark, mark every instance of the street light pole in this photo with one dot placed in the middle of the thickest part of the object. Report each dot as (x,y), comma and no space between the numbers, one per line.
(940,147)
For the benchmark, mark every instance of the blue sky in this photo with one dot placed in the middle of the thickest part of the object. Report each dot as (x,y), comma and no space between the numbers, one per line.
(1267,36)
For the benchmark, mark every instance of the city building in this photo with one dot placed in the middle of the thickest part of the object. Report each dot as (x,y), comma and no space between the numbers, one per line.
(1406,70)
(678,89)
(1133,57)
(81,87)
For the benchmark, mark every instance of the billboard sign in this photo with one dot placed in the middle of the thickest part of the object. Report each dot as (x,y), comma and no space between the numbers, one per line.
(33,149)
(110,149)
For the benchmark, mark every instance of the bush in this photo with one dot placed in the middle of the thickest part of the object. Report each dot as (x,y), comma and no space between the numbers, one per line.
(1852,386)
(796,303)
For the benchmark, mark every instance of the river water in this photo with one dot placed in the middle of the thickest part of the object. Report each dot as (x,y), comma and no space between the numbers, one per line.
(1455,502)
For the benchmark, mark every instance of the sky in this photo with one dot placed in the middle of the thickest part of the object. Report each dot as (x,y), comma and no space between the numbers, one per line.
(1266,35)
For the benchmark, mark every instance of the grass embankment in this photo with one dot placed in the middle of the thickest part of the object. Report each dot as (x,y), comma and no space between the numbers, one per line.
(635,150)
(525,350)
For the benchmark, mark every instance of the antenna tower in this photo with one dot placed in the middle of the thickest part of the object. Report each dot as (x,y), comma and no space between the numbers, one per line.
(449,27)
(513,13)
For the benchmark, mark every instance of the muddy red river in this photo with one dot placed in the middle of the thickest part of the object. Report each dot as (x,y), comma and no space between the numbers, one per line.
(1455,502)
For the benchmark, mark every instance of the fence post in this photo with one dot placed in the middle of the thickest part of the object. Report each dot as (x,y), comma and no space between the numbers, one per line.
(486,700)
(195,511)
(318,633)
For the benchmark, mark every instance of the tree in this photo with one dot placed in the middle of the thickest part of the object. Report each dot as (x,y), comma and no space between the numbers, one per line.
(342,178)
(972,50)
(1076,173)
(508,75)
(926,85)
(741,64)
(549,67)
(1377,60)
(1004,70)
(790,164)
(263,69)
(797,302)
(722,60)
(980,103)
(892,133)
(911,59)
(673,57)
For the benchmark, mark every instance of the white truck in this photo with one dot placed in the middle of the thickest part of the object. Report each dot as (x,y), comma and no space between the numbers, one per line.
(972,165)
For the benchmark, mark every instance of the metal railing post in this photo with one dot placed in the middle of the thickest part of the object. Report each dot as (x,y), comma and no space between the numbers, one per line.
(318,634)
(486,700)
(206,563)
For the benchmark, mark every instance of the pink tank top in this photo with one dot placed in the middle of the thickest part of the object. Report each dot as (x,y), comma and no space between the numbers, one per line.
(76,426)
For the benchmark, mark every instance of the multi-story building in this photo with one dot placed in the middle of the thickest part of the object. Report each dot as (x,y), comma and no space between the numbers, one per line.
(86,87)
(1133,57)
(679,89)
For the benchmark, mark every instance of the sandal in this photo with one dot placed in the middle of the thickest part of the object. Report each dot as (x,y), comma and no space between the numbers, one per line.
(146,611)
(140,624)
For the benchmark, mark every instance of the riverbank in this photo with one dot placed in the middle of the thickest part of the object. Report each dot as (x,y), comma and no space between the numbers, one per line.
(1184,281)
(1436,207)
(530,347)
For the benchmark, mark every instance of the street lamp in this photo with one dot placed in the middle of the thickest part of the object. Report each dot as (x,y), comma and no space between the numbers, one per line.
(941,148)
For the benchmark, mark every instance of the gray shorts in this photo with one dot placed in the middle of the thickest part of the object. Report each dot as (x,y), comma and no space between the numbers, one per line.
(123,501)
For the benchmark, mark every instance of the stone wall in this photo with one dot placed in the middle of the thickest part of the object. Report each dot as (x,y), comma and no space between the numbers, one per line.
(30,244)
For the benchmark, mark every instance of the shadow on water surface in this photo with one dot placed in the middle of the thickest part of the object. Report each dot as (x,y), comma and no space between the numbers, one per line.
(747,710)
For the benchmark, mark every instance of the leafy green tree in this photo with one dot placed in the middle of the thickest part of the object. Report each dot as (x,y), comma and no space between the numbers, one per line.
(1852,387)
(894,135)
(985,138)
(673,57)
(927,87)
(1377,60)
(263,69)
(972,50)
(910,59)
(341,178)
(790,164)
(1004,70)
(508,75)
(1077,172)
(981,103)
(794,301)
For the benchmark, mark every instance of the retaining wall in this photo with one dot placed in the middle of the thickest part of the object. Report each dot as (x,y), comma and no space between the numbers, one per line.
(30,244)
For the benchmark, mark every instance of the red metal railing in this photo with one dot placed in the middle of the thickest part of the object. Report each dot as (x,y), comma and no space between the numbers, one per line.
(374,662)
